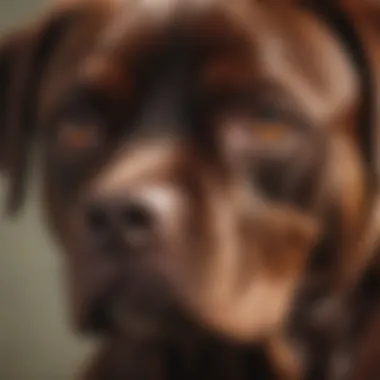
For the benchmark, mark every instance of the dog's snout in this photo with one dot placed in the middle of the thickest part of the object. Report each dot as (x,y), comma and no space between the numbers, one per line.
(139,199)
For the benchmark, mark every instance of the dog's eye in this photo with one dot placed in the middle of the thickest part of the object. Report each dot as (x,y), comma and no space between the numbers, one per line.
(269,132)
(252,132)
(250,138)
(79,122)
(75,137)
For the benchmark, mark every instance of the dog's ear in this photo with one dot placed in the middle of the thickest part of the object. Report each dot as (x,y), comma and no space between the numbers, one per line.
(365,17)
(24,55)
(356,24)
(358,21)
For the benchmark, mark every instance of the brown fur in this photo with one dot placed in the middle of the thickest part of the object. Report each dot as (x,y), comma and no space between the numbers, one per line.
(272,236)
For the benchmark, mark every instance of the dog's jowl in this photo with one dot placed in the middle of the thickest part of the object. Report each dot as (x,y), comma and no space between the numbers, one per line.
(210,173)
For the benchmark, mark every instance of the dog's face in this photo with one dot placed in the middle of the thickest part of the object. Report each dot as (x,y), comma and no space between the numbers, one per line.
(191,154)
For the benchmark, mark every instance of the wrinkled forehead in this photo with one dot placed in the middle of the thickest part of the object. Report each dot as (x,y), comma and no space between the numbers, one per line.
(159,51)
(137,27)
(247,40)
(281,42)
(160,44)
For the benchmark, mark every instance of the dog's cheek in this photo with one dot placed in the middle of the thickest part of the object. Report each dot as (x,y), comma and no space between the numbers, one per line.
(246,284)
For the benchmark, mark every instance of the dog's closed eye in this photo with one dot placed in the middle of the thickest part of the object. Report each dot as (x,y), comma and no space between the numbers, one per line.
(74,137)
(260,137)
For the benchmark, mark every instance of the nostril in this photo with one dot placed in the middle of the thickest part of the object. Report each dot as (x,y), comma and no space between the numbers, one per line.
(136,217)
(97,219)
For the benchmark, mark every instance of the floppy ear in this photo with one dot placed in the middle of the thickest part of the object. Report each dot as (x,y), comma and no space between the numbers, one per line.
(365,16)
(24,54)
(358,21)
(356,25)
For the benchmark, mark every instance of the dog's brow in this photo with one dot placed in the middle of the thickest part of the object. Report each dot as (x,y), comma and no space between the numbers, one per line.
(269,92)
(259,95)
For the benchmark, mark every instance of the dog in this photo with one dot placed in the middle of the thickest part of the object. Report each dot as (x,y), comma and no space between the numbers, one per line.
(210,172)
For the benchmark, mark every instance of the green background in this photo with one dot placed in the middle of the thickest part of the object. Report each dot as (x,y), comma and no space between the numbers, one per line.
(35,338)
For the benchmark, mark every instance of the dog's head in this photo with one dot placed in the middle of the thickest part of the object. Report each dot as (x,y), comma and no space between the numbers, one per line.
(194,153)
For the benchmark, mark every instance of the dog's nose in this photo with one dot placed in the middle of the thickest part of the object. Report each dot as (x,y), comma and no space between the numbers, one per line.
(132,220)
(140,197)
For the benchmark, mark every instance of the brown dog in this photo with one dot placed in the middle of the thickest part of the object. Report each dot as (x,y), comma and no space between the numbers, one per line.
(210,172)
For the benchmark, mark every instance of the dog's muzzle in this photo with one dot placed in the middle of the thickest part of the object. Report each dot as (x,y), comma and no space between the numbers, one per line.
(134,219)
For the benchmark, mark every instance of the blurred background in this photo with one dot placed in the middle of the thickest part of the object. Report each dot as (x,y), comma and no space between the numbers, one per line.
(35,339)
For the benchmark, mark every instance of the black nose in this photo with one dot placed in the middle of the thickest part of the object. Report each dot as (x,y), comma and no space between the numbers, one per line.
(128,221)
